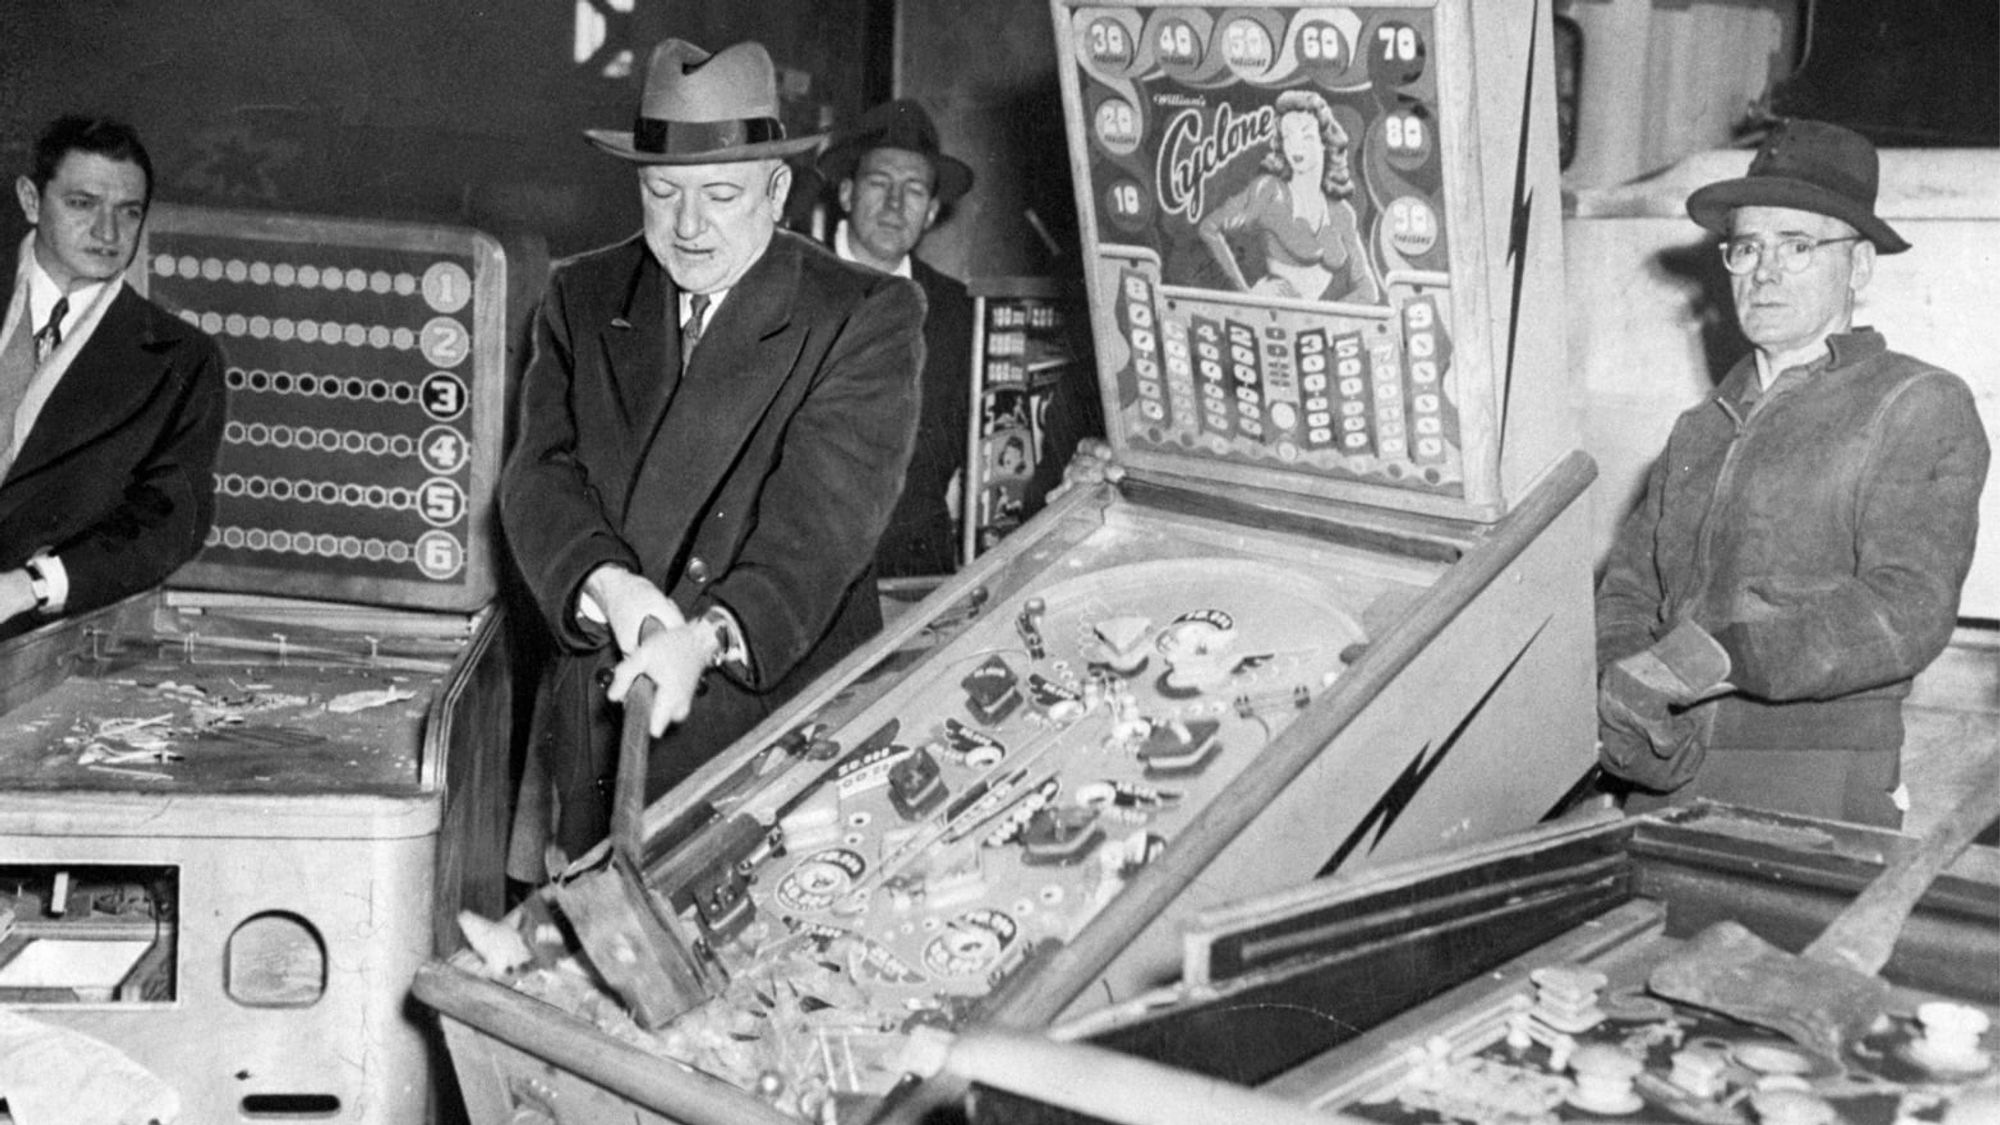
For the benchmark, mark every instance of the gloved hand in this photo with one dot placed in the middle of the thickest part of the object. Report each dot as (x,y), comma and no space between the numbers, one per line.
(627,600)
(1647,732)
(1682,668)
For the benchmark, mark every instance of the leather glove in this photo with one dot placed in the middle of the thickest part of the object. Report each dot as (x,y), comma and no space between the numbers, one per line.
(1682,668)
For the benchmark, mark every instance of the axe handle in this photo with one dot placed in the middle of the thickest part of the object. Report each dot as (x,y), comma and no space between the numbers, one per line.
(628,799)
(1863,936)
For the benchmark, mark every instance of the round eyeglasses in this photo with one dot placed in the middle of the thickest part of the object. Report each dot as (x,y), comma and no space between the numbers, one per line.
(1791,254)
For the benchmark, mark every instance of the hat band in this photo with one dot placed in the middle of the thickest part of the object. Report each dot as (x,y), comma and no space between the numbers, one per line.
(660,137)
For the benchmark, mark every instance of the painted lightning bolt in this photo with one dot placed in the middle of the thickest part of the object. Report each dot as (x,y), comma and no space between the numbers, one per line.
(1517,236)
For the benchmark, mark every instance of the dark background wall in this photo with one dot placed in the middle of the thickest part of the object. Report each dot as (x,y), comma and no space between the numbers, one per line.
(461,111)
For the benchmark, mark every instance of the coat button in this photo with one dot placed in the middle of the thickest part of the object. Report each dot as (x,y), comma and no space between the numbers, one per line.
(697,569)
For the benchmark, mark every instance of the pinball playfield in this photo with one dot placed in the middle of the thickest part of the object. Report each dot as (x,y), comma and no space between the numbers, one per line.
(1243,659)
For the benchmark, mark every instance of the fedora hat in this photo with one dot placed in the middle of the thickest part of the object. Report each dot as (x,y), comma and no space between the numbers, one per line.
(1807,166)
(702,108)
(898,124)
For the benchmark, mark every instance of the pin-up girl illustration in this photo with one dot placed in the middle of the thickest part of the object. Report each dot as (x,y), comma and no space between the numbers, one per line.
(1299,203)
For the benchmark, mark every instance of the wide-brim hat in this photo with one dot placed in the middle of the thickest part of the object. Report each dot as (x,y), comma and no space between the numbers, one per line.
(1807,166)
(702,108)
(899,124)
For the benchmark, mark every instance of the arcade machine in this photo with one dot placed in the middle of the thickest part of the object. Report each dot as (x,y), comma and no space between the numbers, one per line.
(1329,609)
(237,814)
(1716,964)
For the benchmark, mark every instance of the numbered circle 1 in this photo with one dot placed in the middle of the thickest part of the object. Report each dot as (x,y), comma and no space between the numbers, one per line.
(1412,225)
(441,502)
(447,287)
(1247,47)
(443,395)
(443,450)
(1409,137)
(1128,205)
(1176,45)
(1115,125)
(1322,48)
(1108,43)
(1396,54)
(440,555)
(444,342)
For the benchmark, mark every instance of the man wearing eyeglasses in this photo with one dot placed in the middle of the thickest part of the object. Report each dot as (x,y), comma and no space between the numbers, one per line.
(1797,555)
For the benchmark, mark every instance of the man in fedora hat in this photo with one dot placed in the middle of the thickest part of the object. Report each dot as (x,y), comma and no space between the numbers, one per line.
(1797,554)
(893,179)
(713,430)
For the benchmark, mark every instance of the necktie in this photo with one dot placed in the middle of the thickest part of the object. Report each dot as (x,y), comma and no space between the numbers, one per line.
(50,336)
(691,331)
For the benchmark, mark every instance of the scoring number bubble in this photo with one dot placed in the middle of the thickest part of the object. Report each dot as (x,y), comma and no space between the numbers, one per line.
(1246,46)
(1396,54)
(1412,225)
(1176,45)
(1107,43)
(1116,125)
(1409,137)
(443,395)
(1128,205)
(1322,48)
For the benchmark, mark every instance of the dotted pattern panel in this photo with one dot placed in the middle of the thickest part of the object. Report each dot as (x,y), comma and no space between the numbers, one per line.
(357,447)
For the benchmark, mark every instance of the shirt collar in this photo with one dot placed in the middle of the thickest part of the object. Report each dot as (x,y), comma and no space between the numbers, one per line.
(714,303)
(43,292)
(846,252)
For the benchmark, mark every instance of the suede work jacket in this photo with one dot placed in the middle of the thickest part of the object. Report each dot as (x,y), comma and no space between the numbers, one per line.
(1820,531)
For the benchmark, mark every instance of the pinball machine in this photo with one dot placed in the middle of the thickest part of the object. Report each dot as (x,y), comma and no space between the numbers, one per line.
(237,813)
(1329,609)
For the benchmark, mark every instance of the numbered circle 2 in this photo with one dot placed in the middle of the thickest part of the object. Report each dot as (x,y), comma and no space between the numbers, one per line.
(445,342)
(440,555)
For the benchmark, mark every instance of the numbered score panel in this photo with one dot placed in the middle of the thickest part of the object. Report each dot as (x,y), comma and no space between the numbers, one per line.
(1323,243)
(237,814)
(366,401)
(1238,664)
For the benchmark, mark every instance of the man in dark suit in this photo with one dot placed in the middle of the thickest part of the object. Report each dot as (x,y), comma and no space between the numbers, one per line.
(702,513)
(111,408)
(893,182)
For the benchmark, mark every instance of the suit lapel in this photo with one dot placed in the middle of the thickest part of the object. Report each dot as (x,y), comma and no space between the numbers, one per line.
(641,351)
(744,358)
(117,371)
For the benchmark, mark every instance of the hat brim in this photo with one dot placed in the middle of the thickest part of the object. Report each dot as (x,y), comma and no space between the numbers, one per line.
(1710,206)
(618,142)
(954,176)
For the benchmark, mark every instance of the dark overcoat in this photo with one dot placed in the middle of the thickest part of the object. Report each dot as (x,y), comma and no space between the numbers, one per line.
(117,476)
(921,539)
(761,479)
